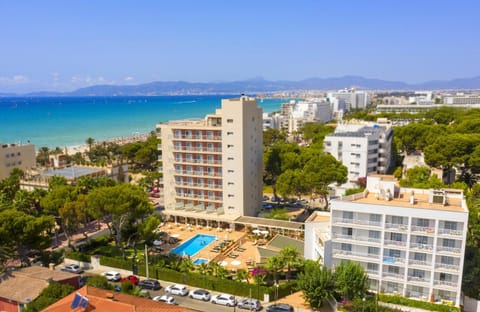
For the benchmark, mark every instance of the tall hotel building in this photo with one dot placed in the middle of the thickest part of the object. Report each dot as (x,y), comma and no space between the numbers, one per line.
(410,241)
(212,168)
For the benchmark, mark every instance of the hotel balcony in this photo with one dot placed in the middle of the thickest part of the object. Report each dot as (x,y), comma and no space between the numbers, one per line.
(199,197)
(372,273)
(197,137)
(448,285)
(393,261)
(400,244)
(450,250)
(418,280)
(423,229)
(356,221)
(397,226)
(422,247)
(355,238)
(201,186)
(198,173)
(454,268)
(351,255)
(449,232)
(393,277)
(197,161)
(198,149)
(419,263)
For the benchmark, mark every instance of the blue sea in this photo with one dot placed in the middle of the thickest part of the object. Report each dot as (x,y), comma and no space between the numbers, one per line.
(65,121)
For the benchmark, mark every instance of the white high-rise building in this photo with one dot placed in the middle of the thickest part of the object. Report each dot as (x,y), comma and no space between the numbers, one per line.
(411,242)
(212,168)
(364,148)
(352,98)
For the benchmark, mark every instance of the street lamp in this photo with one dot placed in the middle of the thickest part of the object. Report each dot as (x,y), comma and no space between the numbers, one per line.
(276,291)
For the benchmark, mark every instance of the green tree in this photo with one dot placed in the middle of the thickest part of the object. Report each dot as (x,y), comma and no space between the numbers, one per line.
(243,275)
(272,136)
(292,182)
(274,265)
(291,257)
(317,284)
(90,141)
(351,280)
(54,292)
(99,282)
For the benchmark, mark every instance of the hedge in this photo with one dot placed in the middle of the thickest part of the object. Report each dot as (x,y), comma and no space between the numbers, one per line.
(77,255)
(396,299)
(202,281)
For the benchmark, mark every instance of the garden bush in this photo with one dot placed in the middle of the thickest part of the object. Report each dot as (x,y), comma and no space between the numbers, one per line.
(396,299)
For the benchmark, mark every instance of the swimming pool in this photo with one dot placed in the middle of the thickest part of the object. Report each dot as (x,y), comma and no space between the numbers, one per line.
(193,245)
(200,261)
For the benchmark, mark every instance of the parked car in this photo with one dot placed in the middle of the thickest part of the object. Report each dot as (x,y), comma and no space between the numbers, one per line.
(165,298)
(131,278)
(274,199)
(149,284)
(250,304)
(72,268)
(177,290)
(224,299)
(112,276)
(280,307)
(200,294)
(267,206)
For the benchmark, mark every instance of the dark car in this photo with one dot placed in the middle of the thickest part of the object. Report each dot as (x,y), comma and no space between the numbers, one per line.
(280,307)
(149,284)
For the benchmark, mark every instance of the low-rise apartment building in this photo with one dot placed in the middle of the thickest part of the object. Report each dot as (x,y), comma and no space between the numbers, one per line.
(20,156)
(410,241)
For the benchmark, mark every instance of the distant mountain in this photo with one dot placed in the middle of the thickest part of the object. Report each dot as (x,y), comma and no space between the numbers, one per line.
(258,85)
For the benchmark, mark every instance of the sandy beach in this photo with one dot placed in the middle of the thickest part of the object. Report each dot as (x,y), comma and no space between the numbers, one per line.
(73,149)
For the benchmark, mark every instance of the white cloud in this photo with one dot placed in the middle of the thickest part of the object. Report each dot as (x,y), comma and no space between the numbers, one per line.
(88,80)
(14,80)
(128,78)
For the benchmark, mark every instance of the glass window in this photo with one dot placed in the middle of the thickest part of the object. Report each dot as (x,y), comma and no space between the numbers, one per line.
(372,266)
(421,240)
(397,220)
(423,222)
(346,247)
(420,256)
(418,273)
(373,250)
(393,269)
(374,234)
(448,243)
(446,260)
(347,231)
(375,217)
(348,214)
(394,253)
(450,225)
(396,237)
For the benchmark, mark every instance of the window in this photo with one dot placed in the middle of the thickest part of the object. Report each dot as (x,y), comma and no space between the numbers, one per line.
(346,247)
(448,243)
(396,237)
(393,269)
(373,251)
(446,260)
(450,225)
(422,222)
(348,215)
(374,234)
(418,273)
(230,171)
(421,240)
(394,253)
(230,145)
(372,266)
(231,195)
(420,256)
(397,220)
(347,231)
(229,133)
(375,218)
(229,120)
(230,158)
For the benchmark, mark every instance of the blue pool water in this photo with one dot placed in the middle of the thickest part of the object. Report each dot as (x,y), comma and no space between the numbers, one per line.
(200,261)
(193,245)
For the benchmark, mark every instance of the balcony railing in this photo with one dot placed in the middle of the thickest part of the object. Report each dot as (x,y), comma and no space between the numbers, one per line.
(356,221)
(418,279)
(449,249)
(419,262)
(199,173)
(395,243)
(197,149)
(421,246)
(450,232)
(197,137)
(198,161)
(338,252)
(199,185)
(393,276)
(357,238)
(199,196)
(397,226)
(445,283)
(451,267)
(393,260)
(423,229)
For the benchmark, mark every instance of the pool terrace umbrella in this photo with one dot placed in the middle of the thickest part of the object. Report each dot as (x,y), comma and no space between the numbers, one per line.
(235,262)
(223,263)
(256,231)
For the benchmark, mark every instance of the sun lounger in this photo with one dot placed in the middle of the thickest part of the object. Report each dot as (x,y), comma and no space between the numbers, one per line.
(233,255)
(240,249)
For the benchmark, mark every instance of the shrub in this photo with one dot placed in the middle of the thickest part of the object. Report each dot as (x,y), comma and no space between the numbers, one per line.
(396,299)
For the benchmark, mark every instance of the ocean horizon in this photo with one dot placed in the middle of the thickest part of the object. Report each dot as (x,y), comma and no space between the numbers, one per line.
(69,121)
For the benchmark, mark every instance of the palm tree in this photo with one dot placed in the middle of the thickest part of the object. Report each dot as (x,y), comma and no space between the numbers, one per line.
(243,275)
(274,265)
(203,269)
(291,258)
(90,142)
(213,267)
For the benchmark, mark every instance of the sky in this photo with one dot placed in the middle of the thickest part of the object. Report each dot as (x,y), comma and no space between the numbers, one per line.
(64,45)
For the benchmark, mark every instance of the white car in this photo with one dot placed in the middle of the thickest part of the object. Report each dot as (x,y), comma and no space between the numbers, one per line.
(112,276)
(72,268)
(165,298)
(177,290)
(200,294)
(224,299)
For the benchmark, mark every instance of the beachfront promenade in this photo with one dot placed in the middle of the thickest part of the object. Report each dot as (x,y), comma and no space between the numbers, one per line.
(71,150)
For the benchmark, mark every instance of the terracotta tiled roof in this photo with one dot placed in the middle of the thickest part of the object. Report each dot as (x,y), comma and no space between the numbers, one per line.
(100,300)
(13,284)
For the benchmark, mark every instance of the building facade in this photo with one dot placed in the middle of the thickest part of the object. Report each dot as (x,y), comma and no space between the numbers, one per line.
(20,156)
(214,166)
(411,242)
(363,148)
